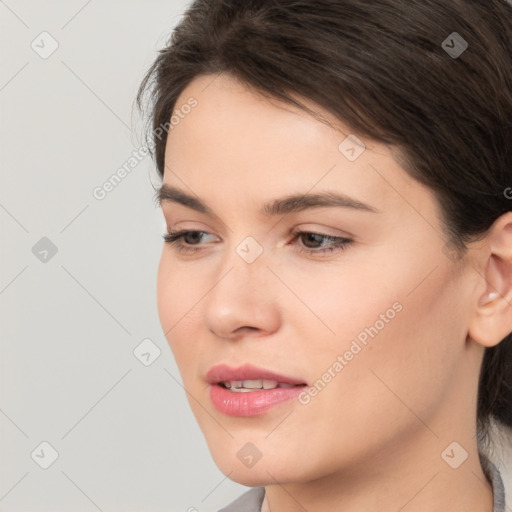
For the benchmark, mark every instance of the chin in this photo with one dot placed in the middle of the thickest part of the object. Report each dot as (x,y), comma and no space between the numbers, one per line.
(265,471)
(250,477)
(241,465)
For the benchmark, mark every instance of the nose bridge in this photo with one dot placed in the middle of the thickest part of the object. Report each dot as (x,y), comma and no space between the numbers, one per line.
(242,295)
(242,271)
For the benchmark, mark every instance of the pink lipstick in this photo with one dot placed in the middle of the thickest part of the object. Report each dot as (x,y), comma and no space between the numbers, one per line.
(248,390)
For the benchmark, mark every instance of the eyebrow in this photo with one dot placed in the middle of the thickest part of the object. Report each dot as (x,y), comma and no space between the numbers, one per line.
(285,205)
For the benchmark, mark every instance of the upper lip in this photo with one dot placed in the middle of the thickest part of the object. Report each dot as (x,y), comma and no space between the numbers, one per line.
(225,373)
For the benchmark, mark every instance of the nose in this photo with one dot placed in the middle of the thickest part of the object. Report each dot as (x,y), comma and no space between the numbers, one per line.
(244,300)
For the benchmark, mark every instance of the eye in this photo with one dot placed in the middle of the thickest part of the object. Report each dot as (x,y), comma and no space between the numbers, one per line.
(311,238)
(175,238)
(189,241)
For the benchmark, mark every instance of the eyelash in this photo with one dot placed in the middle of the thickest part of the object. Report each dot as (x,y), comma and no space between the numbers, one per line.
(173,238)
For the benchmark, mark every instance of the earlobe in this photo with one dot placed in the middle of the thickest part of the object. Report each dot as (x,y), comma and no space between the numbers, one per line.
(492,317)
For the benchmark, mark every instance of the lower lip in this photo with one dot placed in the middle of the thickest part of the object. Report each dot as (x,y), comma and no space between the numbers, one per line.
(250,403)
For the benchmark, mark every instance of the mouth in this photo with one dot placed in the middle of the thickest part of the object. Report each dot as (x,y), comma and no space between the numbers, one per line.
(242,386)
(249,390)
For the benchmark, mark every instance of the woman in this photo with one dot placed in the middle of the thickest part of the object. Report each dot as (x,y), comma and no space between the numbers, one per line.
(336,285)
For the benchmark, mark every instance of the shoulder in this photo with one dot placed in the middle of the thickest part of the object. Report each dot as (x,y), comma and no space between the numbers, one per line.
(250,501)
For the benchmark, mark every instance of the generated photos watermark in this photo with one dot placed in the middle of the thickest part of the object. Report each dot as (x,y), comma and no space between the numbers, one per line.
(356,347)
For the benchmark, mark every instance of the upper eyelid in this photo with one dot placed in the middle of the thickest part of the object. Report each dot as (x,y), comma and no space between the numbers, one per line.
(168,213)
(295,233)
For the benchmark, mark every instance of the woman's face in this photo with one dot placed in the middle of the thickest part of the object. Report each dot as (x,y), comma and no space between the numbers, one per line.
(375,329)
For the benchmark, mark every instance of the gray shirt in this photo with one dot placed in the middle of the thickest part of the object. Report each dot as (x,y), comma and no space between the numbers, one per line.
(252,500)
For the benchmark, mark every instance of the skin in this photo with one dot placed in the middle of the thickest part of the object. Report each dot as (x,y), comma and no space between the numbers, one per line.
(372,439)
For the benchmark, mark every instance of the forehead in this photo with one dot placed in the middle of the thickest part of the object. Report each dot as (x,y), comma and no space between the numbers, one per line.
(240,144)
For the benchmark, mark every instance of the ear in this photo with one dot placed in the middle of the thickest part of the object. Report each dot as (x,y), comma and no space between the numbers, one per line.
(492,318)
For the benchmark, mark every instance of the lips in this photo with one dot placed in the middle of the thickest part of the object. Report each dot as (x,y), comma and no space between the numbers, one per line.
(223,373)
(234,399)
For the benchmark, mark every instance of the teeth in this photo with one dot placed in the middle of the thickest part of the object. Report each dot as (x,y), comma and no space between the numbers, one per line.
(248,385)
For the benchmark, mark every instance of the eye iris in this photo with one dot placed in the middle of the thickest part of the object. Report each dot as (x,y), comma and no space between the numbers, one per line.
(314,238)
(193,236)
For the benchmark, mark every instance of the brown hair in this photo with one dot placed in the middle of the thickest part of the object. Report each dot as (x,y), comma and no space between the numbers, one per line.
(387,69)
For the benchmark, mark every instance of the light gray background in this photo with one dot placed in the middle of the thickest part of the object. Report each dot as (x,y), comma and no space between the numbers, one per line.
(125,436)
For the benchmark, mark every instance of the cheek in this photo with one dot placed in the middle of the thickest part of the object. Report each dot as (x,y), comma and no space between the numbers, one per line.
(165,283)
(336,305)
(383,318)
(399,373)
(177,295)
(400,341)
